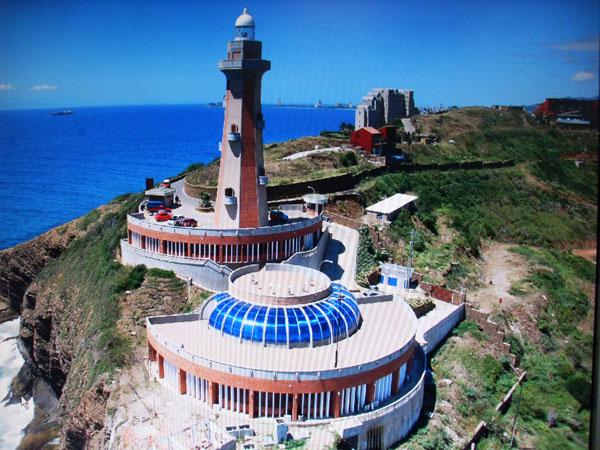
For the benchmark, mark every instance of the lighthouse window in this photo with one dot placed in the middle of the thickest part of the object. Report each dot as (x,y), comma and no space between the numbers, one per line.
(234,128)
(228,192)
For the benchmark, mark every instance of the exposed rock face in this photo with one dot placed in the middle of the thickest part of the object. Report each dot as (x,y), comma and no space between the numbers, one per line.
(83,427)
(72,315)
(20,265)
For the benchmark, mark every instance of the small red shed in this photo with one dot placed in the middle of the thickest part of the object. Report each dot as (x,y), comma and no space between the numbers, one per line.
(367,138)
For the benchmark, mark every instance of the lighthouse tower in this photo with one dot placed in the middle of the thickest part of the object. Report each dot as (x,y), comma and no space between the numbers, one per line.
(242,190)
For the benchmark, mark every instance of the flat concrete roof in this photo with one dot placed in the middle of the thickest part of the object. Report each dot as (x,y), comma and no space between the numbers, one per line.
(387,327)
(281,281)
(160,191)
(391,204)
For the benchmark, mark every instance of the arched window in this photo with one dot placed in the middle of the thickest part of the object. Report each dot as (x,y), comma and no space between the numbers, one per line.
(234,128)
(229,192)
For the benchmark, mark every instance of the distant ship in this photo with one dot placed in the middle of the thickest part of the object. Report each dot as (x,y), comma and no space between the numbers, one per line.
(64,112)
(318,104)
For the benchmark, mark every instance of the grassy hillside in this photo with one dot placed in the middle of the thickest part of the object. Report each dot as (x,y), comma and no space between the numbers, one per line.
(281,171)
(544,206)
(89,315)
(487,134)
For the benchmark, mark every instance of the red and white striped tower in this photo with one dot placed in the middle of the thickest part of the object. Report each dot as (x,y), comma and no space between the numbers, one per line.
(242,192)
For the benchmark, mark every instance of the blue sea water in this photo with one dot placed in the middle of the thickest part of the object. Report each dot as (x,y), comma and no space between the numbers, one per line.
(56,168)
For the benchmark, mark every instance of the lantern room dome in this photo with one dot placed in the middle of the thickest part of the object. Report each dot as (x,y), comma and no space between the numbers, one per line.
(245,20)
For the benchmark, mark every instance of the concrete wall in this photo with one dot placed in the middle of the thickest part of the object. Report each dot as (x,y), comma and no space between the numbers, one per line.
(397,418)
(311,258)
(435,335)
(205,273)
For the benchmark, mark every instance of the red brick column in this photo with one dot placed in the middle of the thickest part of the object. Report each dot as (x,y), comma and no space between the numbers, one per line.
(182,382)
(337,404)
(161,366)
(151,353)
(370,397)
(252,404)
(295,407)
(213,393)
(395,380)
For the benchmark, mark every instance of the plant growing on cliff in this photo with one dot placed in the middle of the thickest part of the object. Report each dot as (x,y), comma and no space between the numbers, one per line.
(366,260)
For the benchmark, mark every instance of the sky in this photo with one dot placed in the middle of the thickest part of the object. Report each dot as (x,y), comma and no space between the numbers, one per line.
(94,53)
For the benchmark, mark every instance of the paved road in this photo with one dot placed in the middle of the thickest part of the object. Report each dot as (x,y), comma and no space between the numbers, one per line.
(340,258)
(312,152)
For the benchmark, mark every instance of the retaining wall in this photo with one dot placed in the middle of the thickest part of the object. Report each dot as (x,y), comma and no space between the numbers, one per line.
(494,331)
(436,334)
(204,273)
(439,292)
(311,258)
(349,181)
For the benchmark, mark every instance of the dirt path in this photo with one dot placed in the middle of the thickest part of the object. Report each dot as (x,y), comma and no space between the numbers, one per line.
(502,268)
(587,251)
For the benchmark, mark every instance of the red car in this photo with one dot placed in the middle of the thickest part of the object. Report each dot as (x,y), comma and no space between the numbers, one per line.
(162,216)
(189,222)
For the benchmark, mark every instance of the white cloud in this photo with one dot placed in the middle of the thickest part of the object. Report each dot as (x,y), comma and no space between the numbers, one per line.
(43,87)
(583,75)
(7,87)
(589,44)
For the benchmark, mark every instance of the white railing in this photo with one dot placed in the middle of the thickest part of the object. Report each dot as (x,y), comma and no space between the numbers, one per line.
(172,258)
(258,373)
(293,225)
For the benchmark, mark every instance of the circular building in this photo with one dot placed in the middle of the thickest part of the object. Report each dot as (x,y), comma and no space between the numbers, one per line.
(285,342)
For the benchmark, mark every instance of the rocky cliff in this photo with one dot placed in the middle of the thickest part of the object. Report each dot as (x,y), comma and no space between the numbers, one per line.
(20,265)
(82,313)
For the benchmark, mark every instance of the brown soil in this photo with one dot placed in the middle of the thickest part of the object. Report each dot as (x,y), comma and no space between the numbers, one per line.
(587,250)
(499,271)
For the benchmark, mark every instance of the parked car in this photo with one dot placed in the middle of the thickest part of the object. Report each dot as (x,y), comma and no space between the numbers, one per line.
(155,206)
(189,222)
(175,221)
(277,216)
(163,216)
(166,183)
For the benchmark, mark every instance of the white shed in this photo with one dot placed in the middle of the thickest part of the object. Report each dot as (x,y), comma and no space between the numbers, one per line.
(387,209)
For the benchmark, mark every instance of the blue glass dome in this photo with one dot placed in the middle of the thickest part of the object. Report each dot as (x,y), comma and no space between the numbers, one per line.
(333,318)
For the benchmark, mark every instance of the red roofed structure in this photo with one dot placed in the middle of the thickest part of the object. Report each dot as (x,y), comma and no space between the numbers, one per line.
(367,138)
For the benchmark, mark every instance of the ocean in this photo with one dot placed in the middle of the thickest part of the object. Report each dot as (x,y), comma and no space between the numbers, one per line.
(56,168)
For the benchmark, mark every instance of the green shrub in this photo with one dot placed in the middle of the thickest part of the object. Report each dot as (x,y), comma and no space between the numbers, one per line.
(161,273)
(130,279)
(365,258)
(348,159)
(580,387)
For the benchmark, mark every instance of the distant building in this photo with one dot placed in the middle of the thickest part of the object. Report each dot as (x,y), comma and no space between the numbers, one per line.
(367,138)
(382,106)
(569,111)
(371,140)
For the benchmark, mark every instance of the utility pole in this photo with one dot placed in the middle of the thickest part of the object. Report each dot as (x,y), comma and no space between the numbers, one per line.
(413,235)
